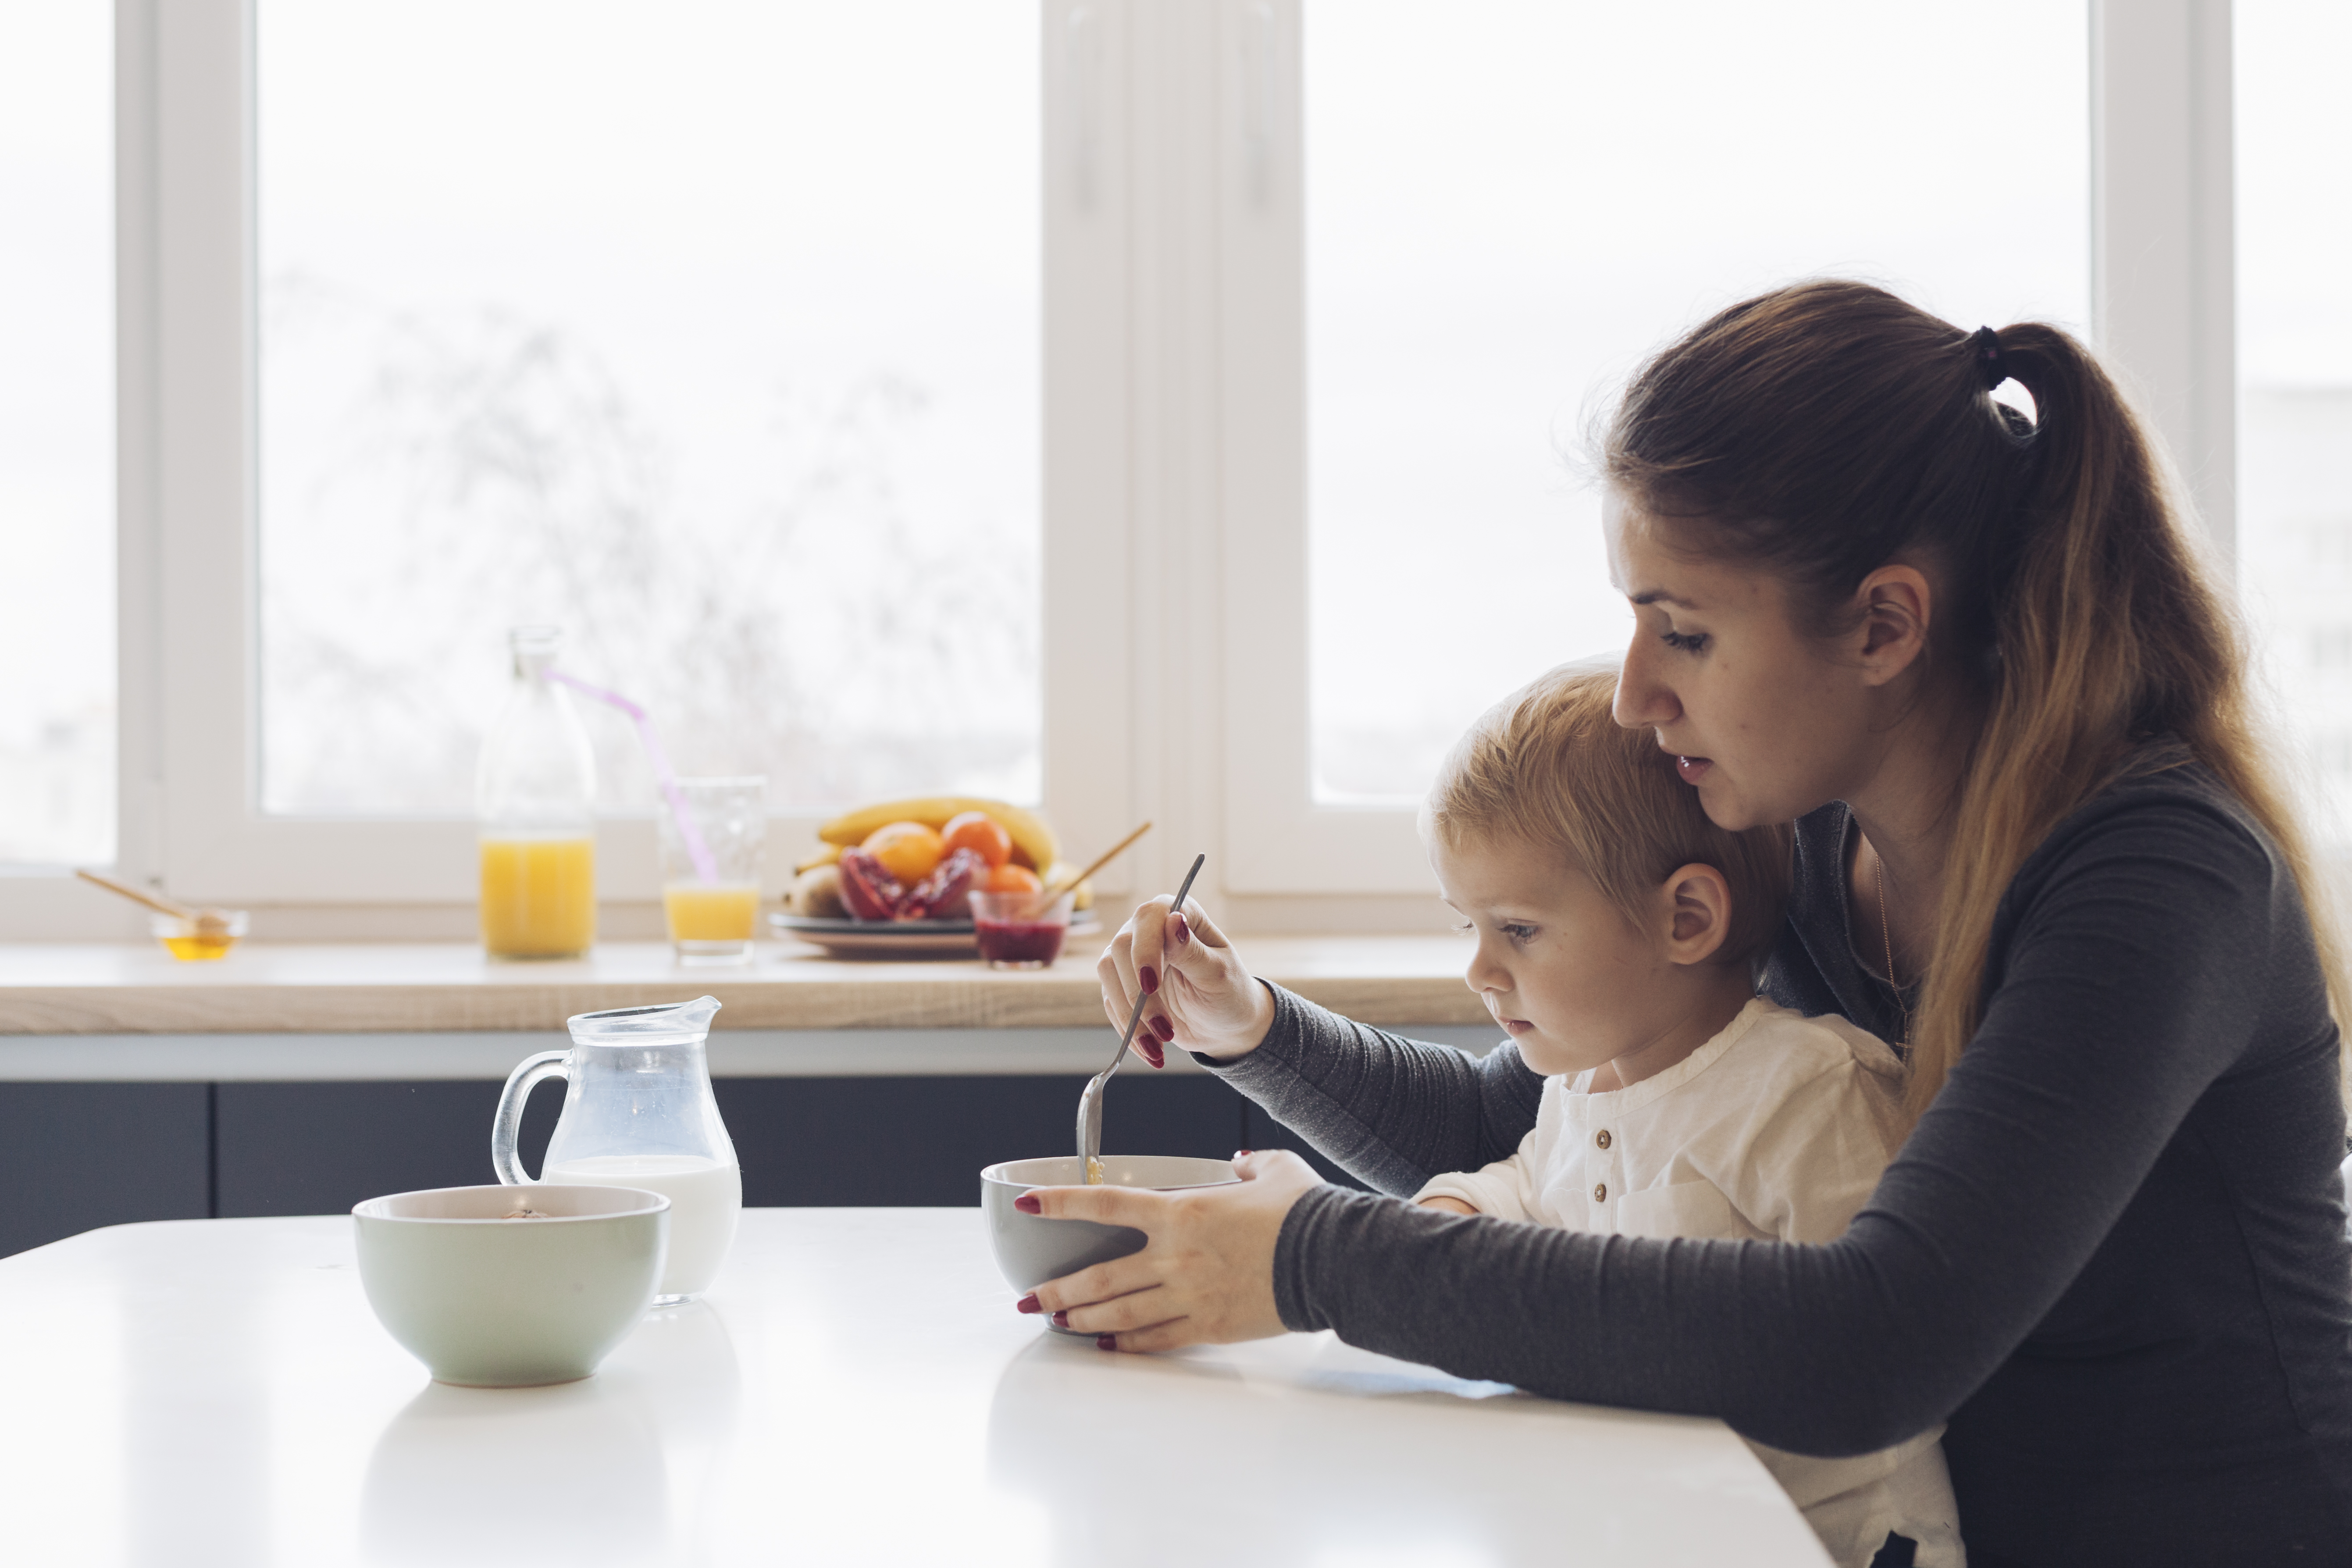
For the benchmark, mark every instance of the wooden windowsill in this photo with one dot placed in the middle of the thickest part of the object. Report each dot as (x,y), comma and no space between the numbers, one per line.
(288,988)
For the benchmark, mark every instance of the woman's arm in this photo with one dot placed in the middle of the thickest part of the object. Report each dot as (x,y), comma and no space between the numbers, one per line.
(1392,1112)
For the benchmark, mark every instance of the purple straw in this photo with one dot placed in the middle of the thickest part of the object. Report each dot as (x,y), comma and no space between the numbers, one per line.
(705,865)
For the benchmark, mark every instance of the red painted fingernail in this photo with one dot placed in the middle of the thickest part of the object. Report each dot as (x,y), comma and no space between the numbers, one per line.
(1151,1053)
(1163,1029)
(1028,1303)
(1060,1319)
(1178,931)
(1241,1153)
(1027,1204)
(1150,978)
(1105,1342)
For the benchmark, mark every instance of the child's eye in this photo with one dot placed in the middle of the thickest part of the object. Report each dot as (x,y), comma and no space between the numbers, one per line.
(1517,933)
(1690,642)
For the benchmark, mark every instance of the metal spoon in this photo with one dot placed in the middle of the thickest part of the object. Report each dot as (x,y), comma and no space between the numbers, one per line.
(1090,1103)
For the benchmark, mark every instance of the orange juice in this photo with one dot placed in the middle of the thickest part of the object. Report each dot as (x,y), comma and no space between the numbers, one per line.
(539,897)
(698,912)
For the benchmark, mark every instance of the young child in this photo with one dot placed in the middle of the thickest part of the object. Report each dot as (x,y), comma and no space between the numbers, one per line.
(1615,928)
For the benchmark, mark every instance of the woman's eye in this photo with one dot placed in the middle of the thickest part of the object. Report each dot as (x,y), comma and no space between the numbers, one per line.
(1685,642)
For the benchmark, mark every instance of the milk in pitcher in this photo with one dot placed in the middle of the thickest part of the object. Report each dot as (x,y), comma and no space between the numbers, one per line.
(706,1198)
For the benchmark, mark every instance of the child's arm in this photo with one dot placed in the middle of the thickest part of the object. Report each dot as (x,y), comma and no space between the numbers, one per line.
(1500,1190)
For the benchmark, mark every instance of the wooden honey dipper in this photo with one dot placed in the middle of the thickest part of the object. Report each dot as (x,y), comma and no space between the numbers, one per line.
(209,924)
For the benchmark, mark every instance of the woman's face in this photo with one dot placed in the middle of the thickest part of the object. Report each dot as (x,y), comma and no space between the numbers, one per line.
(1768,723)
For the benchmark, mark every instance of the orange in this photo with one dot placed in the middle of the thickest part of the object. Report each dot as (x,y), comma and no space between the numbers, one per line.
(1012,880)
(978,830)
(907,851)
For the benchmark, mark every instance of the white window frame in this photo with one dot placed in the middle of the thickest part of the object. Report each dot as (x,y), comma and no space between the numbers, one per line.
(1174,478)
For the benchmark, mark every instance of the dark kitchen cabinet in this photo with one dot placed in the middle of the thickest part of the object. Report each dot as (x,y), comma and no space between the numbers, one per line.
(77,1156)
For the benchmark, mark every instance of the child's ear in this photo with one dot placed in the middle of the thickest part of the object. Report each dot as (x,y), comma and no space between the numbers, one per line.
(1700,900)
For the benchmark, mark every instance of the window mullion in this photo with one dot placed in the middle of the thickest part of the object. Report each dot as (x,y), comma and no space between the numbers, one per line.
(2164,233)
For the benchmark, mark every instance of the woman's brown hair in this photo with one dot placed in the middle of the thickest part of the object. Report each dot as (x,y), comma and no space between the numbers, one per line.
(1825,429)
(1551,768)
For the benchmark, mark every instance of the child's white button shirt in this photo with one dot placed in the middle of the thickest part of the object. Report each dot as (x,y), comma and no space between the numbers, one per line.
(1776,1129)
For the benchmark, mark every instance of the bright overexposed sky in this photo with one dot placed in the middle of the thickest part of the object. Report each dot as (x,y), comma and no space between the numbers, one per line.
(1510,204)
(708,331)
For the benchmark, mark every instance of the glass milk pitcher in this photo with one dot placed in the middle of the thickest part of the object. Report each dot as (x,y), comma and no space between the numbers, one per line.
(638,1112)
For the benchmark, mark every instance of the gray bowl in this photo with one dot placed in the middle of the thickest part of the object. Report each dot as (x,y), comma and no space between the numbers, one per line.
(1032,1250)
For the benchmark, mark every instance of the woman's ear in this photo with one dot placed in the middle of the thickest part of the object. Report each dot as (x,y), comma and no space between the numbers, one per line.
(1699,903)
(1897,602)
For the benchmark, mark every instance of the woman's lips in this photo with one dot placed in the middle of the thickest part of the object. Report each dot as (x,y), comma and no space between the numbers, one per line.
(1693,769)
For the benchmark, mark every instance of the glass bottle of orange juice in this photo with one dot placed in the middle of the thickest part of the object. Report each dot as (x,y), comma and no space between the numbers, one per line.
(535,798)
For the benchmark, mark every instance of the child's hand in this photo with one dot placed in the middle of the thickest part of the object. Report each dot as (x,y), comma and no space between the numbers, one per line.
(1203,996)
(1448,1204)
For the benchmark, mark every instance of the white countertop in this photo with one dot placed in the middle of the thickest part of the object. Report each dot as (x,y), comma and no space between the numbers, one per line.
(856,1389)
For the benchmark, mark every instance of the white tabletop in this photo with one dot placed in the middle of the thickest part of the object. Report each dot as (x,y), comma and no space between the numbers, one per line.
(856,1389)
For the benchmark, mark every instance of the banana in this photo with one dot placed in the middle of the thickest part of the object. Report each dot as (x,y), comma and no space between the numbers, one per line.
(828,856)
(1033,843)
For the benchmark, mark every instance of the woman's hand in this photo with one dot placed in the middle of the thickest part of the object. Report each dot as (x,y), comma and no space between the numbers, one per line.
(1206,1276)
(1203,996)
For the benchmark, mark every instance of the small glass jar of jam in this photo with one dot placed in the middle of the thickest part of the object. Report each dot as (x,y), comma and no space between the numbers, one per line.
(1020,930)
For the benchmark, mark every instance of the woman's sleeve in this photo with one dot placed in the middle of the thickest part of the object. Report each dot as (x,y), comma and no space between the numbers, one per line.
(1390,1111)
(2133,979)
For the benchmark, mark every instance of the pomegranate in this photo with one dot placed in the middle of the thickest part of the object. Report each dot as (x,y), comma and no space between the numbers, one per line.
(946,893)
(867,889)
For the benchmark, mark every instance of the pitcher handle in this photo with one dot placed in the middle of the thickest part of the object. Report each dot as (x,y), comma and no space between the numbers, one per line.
(507,1125)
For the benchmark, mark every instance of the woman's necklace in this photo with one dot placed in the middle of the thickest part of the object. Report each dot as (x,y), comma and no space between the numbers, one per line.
(1886,935)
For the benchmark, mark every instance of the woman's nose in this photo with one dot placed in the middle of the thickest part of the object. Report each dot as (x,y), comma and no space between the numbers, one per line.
(1643,703)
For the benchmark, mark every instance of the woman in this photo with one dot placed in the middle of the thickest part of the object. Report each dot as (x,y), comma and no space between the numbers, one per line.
(1975,657)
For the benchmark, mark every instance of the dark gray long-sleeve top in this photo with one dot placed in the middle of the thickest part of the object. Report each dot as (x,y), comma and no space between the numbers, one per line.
(2112,1254)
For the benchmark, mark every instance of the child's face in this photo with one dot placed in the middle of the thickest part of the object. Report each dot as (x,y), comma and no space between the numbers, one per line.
(1558,964)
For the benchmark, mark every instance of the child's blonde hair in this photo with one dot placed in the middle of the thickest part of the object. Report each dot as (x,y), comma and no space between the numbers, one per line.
(1549,766)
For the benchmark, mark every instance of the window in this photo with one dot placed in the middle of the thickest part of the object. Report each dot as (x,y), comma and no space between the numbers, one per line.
(56,435)
(1055,400)
(2295,365)
(707,331)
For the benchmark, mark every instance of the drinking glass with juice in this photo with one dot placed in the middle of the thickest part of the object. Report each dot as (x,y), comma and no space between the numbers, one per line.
(535,796)
(713,838)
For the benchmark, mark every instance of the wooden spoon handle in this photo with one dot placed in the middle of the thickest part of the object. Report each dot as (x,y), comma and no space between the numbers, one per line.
(1105,859)
(161,906)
